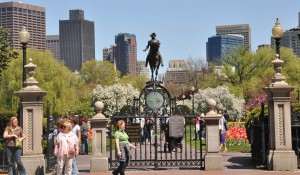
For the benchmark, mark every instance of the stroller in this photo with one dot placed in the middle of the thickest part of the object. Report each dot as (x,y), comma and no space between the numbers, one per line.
(172,141)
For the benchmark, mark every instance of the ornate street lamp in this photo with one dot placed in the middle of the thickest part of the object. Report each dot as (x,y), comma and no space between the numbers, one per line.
(24,37)
(277,32)
(193,91)
(183,97)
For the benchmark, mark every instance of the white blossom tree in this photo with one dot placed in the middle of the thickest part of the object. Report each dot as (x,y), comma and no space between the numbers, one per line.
(114,97)
(225,101)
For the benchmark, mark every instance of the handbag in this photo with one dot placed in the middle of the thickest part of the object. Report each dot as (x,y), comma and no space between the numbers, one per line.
(18,143)
(71,152)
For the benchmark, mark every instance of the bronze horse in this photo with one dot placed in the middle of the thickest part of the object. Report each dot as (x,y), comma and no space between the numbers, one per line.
(153,58)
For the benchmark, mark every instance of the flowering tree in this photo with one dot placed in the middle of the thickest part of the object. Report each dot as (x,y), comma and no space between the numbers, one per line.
(225,101)
(256,102)
(114,97)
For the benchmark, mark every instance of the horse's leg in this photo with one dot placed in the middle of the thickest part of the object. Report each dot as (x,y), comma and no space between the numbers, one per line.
(152,78)
(156,73)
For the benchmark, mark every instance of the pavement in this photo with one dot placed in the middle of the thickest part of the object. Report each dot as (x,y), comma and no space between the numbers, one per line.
(235,163)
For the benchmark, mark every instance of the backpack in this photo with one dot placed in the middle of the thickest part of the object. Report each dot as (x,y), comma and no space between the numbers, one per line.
(226,125)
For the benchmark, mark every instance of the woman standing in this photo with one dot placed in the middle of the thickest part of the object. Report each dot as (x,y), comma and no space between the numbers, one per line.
(14,137)
(76,130)
(66,148)
(122,147)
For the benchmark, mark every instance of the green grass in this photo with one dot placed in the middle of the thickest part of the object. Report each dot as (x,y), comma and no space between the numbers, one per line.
(189,136)
(230,148)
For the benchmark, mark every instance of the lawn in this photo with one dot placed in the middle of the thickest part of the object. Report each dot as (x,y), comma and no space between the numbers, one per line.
(233,145)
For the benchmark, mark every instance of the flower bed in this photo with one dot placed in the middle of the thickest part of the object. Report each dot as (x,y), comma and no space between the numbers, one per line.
(236,136)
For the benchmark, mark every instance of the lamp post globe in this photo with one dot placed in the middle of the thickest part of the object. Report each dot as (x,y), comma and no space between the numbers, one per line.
(24,37)
(277,32)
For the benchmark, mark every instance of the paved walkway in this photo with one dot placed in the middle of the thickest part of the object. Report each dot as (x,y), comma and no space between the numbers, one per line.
(235,163)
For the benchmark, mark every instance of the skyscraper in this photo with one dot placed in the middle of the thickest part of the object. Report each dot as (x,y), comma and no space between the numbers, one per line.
(218,46)
(141,69)
(290,39)
(125,53)
(52,44)
(108,54)
(14,15)
(240,29)
(177,72)
(77,40)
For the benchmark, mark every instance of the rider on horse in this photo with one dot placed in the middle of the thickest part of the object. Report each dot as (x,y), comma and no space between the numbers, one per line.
(154,49)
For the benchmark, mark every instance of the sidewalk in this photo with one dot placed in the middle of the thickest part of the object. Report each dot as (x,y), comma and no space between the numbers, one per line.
(235,163)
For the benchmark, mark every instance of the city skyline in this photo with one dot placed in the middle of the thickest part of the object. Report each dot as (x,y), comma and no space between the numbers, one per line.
(183,28)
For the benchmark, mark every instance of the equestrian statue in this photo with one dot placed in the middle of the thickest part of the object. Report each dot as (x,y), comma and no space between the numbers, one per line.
(153,58)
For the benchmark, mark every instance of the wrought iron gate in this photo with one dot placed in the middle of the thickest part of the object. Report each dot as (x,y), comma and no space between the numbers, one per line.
(260,138)
(164,150)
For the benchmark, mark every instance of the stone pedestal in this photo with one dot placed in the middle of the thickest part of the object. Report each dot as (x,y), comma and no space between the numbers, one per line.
(281,157)
(213,159)
(99,160)
(31,97)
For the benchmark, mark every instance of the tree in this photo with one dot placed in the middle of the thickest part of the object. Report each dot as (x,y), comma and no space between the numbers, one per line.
(53,77)
(240,66)
(196,71)
(114,97)
(99,73)
(210,78)
(137,82)
(225,101)
(6,52)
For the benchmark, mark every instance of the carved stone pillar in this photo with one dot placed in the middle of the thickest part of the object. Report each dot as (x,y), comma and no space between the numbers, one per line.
(31,97)
(99,160)
(281,157)
(213,159)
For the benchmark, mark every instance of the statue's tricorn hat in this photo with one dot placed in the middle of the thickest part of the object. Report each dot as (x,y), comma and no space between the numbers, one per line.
(152,34)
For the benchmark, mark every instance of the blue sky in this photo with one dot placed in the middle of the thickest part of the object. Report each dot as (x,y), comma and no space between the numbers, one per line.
(182,26)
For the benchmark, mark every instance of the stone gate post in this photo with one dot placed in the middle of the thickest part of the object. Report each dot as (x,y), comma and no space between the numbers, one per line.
(281,157)
(213,159)
(31,97)
(99,160)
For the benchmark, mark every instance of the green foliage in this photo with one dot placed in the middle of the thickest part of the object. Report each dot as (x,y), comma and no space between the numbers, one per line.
(99,73)
(239,66)
(53,77)
(296,107)
(253,116)
(6,52)
(5,116)
(137,82)
(248,73)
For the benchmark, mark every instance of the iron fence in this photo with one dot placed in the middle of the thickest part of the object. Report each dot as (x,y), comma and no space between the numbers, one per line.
(164,150)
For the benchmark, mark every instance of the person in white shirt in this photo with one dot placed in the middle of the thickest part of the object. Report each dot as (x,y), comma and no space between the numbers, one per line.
(223,128)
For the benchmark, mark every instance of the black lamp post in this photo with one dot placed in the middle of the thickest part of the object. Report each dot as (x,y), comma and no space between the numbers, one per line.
(277,32)
(24,36)
(193,91)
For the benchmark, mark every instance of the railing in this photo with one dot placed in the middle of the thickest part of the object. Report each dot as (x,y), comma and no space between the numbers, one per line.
(3,163)
(260,138)
(164,151)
